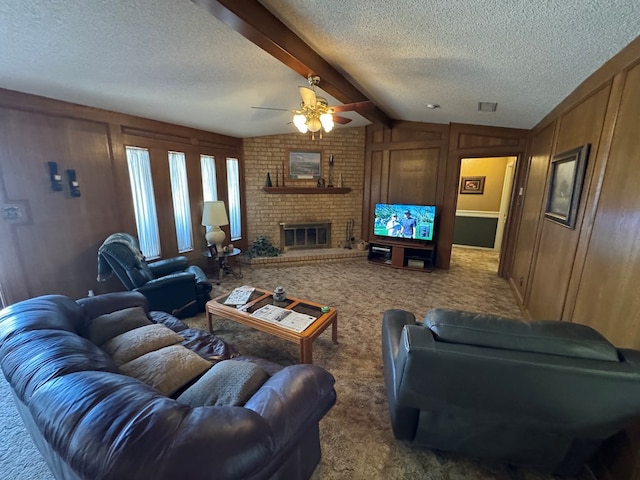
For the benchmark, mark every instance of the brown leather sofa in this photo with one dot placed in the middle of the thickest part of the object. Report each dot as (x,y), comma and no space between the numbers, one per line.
(90,421)
(544,394)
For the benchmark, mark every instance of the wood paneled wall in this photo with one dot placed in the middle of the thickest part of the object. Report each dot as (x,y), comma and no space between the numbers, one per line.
(587,274)
(557,244)
(420,163)
(590,274)
(533,194)
(55,249)
(405,164)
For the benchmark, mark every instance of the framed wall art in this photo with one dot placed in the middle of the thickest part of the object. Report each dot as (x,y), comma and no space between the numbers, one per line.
(472,185)
(566,176)
(305,165)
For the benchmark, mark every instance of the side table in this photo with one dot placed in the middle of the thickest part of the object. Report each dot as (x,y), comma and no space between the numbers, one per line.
(222,260)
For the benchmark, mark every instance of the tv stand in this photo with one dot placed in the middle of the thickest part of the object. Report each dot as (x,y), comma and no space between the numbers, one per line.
(415,256)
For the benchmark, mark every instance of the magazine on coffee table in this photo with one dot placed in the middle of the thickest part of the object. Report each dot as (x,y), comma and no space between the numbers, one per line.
(288,319)
(239,296)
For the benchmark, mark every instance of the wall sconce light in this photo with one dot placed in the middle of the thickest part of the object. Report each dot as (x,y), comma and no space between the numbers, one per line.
(56,180)
(74,186)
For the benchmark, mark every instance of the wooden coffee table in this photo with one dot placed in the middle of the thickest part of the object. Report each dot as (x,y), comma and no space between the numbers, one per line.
(261,297)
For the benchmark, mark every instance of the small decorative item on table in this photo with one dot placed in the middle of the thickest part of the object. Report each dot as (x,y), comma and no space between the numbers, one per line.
(279,297)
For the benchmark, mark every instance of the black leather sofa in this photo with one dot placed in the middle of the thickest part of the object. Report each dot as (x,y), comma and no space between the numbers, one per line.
(544,394)
(90,421)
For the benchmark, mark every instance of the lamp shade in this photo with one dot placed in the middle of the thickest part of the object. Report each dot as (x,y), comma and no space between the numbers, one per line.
(214,214)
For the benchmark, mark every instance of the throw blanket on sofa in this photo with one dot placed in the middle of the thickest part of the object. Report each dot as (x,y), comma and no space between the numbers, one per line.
(104,269)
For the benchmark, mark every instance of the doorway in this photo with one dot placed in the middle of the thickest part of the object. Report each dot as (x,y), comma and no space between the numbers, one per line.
(482,210)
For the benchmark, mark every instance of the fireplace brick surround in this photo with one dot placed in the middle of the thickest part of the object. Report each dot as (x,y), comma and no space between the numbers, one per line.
(266,211)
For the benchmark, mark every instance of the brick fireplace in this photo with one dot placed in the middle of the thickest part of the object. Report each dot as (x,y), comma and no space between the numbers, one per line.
(265,211)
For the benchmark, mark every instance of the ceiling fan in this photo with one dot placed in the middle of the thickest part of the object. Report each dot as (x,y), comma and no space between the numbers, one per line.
(315,114)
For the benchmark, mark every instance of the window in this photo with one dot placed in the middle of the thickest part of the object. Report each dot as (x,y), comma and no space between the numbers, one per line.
(144,203)
(180,195)
(233,184)
(209,185)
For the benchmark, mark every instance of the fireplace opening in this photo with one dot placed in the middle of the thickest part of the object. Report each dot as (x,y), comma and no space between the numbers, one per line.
(305,235)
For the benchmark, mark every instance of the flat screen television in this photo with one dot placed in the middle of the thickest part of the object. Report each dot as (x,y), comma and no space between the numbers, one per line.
(399,220)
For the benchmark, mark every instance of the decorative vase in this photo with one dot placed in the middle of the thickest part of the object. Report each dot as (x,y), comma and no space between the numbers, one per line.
(279,297)
(268,182)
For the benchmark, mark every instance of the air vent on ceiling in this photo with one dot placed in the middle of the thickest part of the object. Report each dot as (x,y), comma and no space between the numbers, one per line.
(487,106)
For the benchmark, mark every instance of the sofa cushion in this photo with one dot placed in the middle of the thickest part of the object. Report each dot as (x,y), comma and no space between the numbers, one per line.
(105,327)
(132,344)
(545,336)
(227,383)
(167,369)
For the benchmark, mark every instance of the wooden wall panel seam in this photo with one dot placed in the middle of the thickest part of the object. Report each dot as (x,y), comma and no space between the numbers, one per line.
(538,232)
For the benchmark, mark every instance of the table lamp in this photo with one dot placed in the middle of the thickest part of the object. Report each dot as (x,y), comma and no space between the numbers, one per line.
(214,215)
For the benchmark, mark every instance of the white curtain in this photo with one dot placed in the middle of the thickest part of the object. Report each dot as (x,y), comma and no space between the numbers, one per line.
(209,181)
(181,205)
(233,185)
(209,185)
(144,203)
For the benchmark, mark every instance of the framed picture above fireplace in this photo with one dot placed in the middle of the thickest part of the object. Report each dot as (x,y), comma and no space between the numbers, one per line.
(305,165)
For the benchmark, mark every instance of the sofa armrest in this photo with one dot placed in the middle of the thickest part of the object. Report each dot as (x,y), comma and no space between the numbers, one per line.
(201,277)
(169,281)
(110,302)
(292,399)
(122,428)
(167,266)
(403,419)
(393,321)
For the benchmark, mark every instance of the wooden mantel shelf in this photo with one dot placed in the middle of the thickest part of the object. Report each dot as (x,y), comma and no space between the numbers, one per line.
(310,190)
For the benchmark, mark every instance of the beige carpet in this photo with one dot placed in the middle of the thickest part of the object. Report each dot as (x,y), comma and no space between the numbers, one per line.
(357,442)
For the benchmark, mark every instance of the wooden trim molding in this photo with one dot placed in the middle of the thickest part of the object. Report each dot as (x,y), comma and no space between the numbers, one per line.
(477,213)
(307,190)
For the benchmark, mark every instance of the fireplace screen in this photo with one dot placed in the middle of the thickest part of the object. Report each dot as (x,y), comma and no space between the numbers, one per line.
(305,235)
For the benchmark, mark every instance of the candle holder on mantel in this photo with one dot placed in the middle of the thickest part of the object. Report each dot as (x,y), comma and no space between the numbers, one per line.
(330,182)
(283,174)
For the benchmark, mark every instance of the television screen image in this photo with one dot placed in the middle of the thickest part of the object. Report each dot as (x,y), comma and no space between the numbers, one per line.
(401,220)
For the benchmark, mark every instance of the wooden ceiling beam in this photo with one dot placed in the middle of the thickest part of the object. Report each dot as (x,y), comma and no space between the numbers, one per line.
(254,22)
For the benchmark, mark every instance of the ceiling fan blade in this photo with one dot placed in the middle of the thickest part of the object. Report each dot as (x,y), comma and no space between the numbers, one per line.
(348,107)
(308,96)
(341,120)
(278,109)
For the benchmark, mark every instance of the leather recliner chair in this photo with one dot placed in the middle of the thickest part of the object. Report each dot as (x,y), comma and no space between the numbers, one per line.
(170,285)
(544,394)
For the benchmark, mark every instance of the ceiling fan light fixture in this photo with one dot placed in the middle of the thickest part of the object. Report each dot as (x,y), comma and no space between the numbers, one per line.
(326,119)
(313,124)
(300,121)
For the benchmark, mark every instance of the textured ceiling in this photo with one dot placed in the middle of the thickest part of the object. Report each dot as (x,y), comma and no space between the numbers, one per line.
(170,60)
